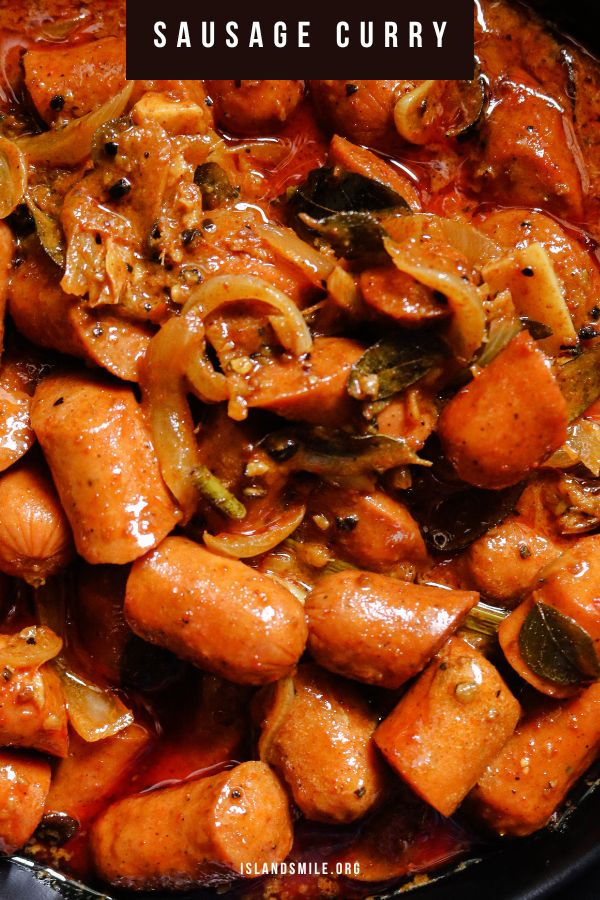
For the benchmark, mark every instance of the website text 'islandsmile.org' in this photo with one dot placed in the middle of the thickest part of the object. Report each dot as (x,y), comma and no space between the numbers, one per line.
(299,867)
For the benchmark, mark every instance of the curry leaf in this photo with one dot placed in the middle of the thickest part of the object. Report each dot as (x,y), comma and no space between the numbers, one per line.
(556,648)
(579,380)
(329,452)
(345,210)
(393,364)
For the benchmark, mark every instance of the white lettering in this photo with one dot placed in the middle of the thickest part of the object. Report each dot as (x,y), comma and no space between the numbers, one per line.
(159,30)
(439,32)
(415,30)
(342,27)
(391,34)
(232,39)
(183,38)
(255,36)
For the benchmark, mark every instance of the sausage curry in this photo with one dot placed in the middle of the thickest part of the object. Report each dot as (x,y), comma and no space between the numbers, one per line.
(300,460)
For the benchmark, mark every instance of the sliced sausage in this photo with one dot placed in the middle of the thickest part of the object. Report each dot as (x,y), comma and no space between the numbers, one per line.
(83,76)
(380,630)
(364,162)
(32,709)
(449,726)
(218,613)
(505,422)
(24,783)
(92,772)
(6,255)
(531,776)
(536,166)
(317,733)
(254,107)
(104,466)
(360,110)
(199,833)
(398,296)
(374,529)
(35,537)
(312,387)
(571,585)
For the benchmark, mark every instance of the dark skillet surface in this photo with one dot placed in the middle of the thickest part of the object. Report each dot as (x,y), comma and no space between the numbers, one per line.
(562,865)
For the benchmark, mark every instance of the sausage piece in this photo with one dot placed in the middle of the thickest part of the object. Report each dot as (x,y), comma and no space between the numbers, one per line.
(92,772)
(527,159)
(24,783)
(254,107)
(449,726)
(218,613)
(6,255)
(317,733)
(83,75)
(505,422)
(570,585)
(532,774)
(199,833)
(311,388)
(35,538)
(360,110)
(32,709)
(374,529)
(380,630)
(100,453)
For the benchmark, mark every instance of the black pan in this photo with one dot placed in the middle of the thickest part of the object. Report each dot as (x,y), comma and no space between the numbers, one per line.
(561,861)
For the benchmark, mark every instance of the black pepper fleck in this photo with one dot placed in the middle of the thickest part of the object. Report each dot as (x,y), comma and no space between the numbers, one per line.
(57,102)
(209,225)
(527,272)
(111,148)
(119,189)
(59,402)
(351,89)
(587,333)
(235,794)
(346,523)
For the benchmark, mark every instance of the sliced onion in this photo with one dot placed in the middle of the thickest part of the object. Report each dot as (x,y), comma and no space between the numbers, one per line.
(29,648)
(286,242)
(49,232)
(71,144)
(539,297)
(582,446)
(477,248)
(416,110)
(13,177)
(466,330)
(207,384)
(289,325)
(242,546)
(164,399)
(95,713)
(344,292)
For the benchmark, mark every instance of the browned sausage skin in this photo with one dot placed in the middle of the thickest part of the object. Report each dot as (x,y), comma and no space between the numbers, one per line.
(35,537)
(32,709)
(570,585)
(449,726)
(24,783)
(254,107)
(317,732)
(101,456)
(380,630)
(218,613)
(199,833)
(530,777)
